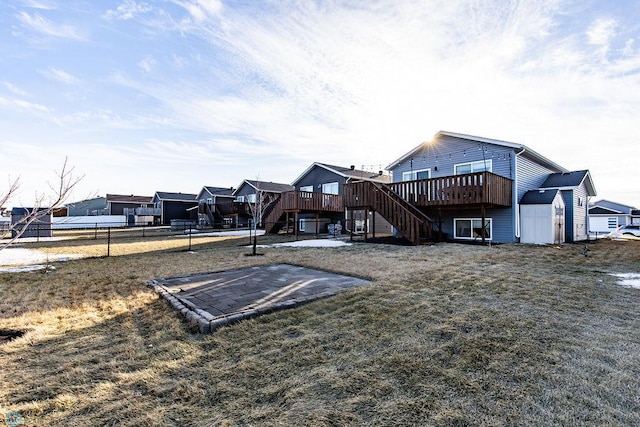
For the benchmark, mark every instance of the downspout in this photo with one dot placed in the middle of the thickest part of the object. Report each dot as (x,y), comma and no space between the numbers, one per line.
(515,193)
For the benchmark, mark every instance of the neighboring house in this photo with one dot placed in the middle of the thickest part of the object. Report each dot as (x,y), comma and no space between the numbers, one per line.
(635,216)
(89,207)
(605,216)
(247,194)
(40,227)
(326,179)
(118,203)
(176,206)
(469,188)
(216,206)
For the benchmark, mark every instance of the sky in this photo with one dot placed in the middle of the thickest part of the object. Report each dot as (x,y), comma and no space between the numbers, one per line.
(173,95)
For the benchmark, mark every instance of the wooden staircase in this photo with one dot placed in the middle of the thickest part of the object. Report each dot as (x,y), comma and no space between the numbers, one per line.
(414,225)
(273,215)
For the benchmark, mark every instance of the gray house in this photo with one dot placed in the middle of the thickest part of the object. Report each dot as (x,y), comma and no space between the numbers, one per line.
(469,188)
(330,180)
(605,216)
(247,194)
(176,206)
(89,207)
(216,206)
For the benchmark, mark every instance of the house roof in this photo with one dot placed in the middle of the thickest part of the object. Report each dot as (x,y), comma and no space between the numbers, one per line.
(613,206)
(347,172)
(216,191)
(539,197)
(178,197)
(599,210)
(121,198)
(270,187)
(520,149)
(567,180)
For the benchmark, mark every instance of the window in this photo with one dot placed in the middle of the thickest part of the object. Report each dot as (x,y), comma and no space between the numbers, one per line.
(419,174)
(240,199)
(307,188)
(473,167)
(209,200)
(471,228)
(612,223)
(251,198)
(330,188)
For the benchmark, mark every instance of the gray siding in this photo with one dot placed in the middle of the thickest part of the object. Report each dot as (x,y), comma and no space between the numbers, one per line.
(449,151)
(444,155)
(318,176)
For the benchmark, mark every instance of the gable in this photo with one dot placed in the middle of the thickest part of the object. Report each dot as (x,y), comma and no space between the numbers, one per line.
(570,180)
(478,141)
(598,210)
(319,173)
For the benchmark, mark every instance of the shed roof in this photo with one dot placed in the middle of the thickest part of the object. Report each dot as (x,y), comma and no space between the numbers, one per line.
(347,172)
(539,197)
(568,180)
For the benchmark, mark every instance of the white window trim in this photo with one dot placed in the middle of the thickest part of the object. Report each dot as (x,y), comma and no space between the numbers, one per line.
(336,183)
(414,172)
(240,199)
(307,188)
(488,162)
(455,228)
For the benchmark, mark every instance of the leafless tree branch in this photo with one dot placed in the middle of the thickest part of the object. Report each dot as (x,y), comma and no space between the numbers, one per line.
(58,195)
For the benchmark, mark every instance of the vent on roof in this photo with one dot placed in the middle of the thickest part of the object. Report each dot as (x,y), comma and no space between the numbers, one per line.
(353,167)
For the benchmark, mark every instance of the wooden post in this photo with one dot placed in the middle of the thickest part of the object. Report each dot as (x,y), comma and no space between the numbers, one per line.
(482,227)
(317,221)
(295,224)
(373,217)
(366,228)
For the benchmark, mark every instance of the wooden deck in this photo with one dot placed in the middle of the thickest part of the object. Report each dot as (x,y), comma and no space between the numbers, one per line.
(309,201)
(459,191)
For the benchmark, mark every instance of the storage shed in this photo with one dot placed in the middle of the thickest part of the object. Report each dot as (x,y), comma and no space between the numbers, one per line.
(39,227)
(542,217)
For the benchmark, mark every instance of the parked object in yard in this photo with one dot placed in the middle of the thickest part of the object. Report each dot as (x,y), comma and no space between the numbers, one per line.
(626,231)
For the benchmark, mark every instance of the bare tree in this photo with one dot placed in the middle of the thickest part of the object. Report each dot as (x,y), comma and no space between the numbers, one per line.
(258,207)
(44,204)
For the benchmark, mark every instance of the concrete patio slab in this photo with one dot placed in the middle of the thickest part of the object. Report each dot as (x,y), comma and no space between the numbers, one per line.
(212,300)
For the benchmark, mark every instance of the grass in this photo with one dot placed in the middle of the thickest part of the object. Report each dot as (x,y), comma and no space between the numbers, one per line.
(448,335)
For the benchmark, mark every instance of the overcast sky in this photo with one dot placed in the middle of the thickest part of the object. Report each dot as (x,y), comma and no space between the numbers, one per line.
(172,95)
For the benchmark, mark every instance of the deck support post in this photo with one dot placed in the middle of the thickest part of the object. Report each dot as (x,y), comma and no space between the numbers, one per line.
(317,221)
(295,224)
(366,228)
(483,214)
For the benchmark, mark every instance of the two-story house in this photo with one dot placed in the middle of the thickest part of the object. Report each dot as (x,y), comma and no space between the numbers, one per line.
(469,188)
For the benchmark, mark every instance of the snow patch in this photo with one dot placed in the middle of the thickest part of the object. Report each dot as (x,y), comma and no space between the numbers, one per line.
(628,280)
(317,243)
(31,257)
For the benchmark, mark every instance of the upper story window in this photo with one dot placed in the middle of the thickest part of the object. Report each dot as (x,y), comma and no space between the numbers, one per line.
(240,199)
(473,167)
(307,188)
(330,188)
(417,174)
(251,198)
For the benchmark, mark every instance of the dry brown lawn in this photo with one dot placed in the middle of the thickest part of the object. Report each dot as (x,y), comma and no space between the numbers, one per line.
(448,335)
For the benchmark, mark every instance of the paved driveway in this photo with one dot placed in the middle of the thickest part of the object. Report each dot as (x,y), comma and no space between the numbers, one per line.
(213,300)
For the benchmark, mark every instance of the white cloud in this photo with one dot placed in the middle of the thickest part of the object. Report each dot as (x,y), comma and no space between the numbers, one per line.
(147,63)
(128,10)
(200,10)
(60,76)
(23,105)
(15,89)
(44,26)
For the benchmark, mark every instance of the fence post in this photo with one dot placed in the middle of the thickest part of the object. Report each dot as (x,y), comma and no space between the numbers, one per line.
(189,237)
(109,241)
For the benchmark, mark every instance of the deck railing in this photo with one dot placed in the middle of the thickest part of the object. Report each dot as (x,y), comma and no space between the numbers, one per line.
(311,201)
(482,188)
